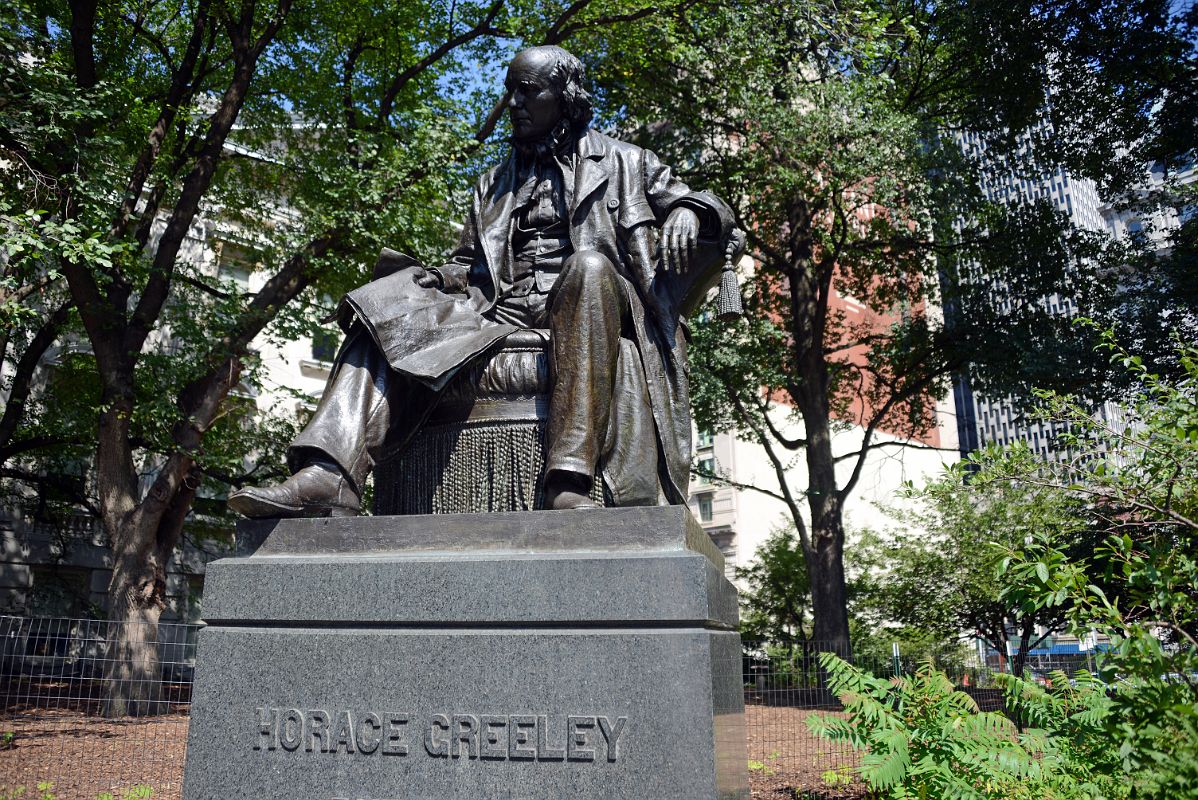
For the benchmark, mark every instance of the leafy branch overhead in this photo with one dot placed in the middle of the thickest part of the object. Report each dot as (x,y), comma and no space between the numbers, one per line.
(289,139)
(1132,475)
(856,141)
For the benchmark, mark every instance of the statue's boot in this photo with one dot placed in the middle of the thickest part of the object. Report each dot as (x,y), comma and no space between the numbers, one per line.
(565,491)
(318,490)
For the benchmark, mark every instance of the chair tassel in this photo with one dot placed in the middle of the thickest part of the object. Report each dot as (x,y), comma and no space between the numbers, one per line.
(729,307)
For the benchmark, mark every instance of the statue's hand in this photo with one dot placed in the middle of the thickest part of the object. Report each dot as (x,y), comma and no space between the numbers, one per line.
(428,279)
(679,238)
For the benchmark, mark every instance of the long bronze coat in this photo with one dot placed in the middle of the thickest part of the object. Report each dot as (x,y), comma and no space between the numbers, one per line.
(621,196)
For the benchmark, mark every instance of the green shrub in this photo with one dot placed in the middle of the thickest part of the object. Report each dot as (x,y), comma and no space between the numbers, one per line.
(1069,726)
(1135,583)
(922,739)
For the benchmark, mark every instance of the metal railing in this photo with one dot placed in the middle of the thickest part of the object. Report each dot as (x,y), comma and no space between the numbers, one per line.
(55,678)
(57,727)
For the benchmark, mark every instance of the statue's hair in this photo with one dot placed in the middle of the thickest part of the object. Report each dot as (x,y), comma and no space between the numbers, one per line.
(568,76)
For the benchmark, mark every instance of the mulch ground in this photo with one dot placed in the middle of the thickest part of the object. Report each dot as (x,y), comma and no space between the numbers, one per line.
(85,755)
(787,761)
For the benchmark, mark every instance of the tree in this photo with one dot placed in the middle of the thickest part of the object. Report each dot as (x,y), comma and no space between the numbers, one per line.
(940,574)
(323,130)
(1136,478)
(777,602)
(833,130)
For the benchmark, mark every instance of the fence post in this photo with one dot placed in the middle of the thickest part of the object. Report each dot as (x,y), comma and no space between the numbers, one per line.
(894,656)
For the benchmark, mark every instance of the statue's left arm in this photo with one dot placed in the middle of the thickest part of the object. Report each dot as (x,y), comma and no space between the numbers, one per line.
(691,247)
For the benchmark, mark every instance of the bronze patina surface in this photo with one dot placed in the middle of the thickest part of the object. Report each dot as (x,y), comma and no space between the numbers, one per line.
(586,239)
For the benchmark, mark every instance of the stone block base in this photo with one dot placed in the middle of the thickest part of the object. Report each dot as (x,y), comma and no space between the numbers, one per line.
(532,655)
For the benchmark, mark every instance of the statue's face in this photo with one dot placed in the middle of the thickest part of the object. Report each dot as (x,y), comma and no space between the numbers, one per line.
(536,104)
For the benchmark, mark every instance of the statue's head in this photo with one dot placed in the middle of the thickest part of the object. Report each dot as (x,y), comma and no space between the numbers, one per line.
(546,86)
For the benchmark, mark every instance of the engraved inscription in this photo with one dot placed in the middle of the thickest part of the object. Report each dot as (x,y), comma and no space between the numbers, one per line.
(436,736)
(468,737)
(395,744)
(318,731)
(521,730)
(317,724)
(465,735)
(577,732)
(611,734)
(291,729)
(492,737)
(546,751)
(370,733)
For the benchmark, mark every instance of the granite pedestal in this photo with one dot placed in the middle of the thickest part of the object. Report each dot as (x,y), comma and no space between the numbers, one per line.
(520,655)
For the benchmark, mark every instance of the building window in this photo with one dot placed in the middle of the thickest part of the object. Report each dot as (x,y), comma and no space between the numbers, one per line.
(705,508)
(705,469)
(234,265)
(59,591)
(706,439)
(324,345)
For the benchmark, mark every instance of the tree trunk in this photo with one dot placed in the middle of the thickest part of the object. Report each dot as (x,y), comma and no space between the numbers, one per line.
(825,554)
(132,673)
(829,597)
(808,284)
(1019,660)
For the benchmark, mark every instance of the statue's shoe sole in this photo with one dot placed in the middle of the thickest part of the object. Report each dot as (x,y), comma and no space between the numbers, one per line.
(250,504)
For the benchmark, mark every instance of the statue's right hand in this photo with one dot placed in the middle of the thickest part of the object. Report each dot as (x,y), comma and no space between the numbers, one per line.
(428,279)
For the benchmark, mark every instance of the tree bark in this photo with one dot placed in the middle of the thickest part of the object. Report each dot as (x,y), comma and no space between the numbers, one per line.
(809,282)
(136,597)
(83,30)
(829,596)
(144,531)
(22,377)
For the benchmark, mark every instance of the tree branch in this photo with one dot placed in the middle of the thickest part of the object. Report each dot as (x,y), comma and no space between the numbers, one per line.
(181,80)
(22,377)
(724,480)
(83,30)
(893,400)
(789,444)
(203,287)
(904,444)
(554,34)
(402,79)
(615,19)
(59,482)
(779,471)
(198,180)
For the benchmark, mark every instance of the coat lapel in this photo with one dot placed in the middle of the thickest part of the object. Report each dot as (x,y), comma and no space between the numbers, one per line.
(591,173)
(495,222)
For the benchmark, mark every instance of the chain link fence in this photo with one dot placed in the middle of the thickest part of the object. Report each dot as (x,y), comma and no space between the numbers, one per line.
(55,678)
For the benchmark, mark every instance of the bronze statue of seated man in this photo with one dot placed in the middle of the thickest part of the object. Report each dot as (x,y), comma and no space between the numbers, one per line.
(576,233)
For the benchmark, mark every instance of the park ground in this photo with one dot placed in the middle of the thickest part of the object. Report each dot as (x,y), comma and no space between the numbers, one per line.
(84,755)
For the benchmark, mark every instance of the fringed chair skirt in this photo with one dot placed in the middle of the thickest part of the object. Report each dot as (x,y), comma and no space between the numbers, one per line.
(483,446)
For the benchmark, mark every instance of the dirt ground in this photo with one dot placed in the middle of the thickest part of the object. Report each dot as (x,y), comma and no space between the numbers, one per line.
(85,755)
(788,761)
